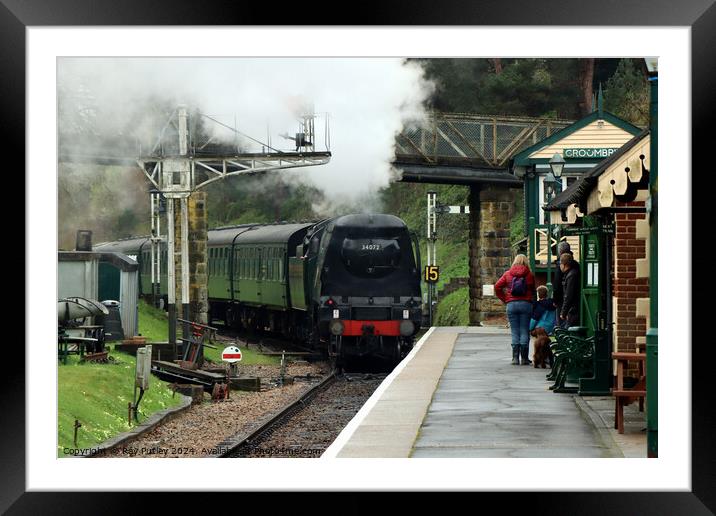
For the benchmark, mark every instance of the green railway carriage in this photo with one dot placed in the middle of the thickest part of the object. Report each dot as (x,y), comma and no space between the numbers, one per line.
(349,285)
(248,274)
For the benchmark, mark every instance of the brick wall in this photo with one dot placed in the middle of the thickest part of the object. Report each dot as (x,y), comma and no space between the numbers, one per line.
(631,282)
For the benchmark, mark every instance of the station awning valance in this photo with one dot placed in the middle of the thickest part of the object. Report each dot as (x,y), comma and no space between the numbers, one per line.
(619,178)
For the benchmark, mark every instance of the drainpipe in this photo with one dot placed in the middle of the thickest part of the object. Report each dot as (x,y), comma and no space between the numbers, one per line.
(652,334)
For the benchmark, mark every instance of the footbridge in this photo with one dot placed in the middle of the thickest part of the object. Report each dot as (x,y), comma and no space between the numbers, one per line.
(475,150)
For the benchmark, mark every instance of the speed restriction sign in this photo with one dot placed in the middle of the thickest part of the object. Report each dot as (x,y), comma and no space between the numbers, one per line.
(432,273)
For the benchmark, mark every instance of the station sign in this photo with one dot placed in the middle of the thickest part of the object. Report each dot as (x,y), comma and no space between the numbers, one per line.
(589,152)
(231,354)
(603,228)
(432,273)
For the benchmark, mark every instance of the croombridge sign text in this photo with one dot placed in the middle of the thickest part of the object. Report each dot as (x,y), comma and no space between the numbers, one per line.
(589,152)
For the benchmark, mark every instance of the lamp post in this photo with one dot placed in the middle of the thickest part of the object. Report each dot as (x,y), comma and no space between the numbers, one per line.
(549,184)
(652,334)
(556,164)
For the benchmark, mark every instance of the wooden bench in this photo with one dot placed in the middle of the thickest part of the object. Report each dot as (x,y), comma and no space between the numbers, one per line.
(625,396)
(573,358)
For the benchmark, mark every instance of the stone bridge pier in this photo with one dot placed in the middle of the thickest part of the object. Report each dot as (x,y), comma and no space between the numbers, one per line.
(490,255)
(198,258)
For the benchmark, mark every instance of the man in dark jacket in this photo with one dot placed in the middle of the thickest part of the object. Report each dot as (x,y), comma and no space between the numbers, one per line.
(557,292)
(569,310)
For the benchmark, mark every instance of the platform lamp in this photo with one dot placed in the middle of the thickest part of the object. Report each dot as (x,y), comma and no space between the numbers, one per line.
(652,334)
(550,183)
(556,164)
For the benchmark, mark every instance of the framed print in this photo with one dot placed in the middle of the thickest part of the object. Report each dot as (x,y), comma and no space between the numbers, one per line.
(371,80)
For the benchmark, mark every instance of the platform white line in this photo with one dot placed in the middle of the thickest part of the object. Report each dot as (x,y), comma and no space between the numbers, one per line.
(335,448)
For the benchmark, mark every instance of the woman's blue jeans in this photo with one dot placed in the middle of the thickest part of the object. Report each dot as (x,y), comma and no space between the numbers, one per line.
(519,314)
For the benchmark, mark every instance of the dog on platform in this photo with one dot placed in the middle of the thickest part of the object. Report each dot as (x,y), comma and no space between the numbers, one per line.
(541,346)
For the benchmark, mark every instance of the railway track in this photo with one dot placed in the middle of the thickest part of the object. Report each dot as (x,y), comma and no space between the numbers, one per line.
(262,341)
(308,425)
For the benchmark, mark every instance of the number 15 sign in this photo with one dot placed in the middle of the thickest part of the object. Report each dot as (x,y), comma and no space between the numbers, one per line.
(432,273)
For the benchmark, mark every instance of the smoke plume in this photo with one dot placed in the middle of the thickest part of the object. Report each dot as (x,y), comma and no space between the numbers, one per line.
(366,101)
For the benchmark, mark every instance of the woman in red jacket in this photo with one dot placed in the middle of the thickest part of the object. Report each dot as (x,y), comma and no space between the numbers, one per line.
(516,288)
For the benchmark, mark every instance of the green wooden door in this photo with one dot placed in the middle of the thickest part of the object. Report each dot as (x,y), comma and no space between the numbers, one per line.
(592,279)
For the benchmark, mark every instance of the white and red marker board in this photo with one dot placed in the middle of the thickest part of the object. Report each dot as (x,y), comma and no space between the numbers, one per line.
(231,354)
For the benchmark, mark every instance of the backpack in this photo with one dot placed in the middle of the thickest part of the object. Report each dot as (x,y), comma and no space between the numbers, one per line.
(518,286)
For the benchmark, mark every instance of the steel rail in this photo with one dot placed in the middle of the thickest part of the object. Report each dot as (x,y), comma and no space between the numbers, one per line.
(277,418)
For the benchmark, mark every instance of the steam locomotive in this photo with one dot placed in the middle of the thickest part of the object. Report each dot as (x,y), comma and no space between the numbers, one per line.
(348,286)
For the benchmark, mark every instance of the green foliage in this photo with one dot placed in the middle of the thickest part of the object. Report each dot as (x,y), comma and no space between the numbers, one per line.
(517,225)
(97,396)
(264,198)
(409,201)
(524,87)
(457,82)
(112,202)
(453,309)
(626,93)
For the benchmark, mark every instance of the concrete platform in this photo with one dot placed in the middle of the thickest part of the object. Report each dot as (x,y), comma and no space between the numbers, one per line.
(457,395)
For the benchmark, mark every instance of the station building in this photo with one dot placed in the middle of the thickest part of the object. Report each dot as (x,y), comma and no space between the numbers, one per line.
(599,207)
(608,205)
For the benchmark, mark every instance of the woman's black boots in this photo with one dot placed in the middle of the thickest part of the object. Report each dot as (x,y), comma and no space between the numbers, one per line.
(525,351)
(515,355)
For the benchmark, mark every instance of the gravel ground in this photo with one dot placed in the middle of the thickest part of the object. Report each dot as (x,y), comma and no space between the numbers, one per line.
(198,431)
(308,433)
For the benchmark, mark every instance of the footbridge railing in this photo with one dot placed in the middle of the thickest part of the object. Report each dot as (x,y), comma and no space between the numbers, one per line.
(470,139)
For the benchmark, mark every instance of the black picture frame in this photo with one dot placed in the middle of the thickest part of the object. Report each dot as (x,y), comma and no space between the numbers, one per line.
(700,15)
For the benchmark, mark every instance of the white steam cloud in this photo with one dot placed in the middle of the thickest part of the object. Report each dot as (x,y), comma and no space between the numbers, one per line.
(368,102)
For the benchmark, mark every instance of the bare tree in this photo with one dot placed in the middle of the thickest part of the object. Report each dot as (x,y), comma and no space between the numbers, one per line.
(586,79)
(498,65)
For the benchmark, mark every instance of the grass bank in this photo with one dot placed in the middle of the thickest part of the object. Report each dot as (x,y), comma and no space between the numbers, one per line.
(453,309)
(97,396)
(154,325)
